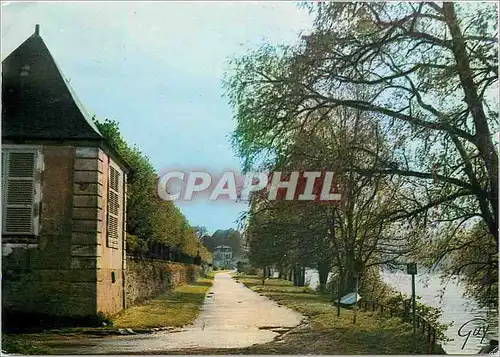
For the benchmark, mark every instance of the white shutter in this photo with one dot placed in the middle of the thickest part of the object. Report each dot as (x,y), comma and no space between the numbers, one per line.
(18,179)
(114,207)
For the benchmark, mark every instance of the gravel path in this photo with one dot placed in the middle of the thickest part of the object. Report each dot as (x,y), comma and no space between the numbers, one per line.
(232,316)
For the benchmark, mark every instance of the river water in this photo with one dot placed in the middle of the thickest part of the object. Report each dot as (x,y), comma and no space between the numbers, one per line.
(456,308)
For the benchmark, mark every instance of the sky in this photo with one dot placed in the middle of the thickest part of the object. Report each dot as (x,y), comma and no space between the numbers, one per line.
(156,68)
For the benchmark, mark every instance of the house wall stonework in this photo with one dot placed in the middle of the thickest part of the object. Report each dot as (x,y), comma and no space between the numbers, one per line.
(110,285)
(56,260)
(69,270)
(146,278)
(41,277)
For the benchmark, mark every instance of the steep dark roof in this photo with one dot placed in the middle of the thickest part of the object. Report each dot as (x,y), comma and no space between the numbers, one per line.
(37,100)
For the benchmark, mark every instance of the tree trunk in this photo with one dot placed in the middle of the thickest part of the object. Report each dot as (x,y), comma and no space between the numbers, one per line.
(349,285)
(339,295)
(296,275)
(299,273)
(484,142)
(323,270)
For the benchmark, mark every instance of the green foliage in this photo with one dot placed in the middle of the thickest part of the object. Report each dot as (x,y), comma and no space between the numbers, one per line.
(473,259)
(136,246)
(174,308)
(240,267)
(372,334)
(201,231)
(131,243)
(432,315)
(373,287)
(21,345)
(429,313)
(149,219)
(423,79)
(229,237)
(251,270)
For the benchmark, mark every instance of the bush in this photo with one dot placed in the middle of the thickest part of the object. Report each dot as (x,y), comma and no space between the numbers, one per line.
(373,287)
(331,285)
(240,267)
(250,270)
(148,217)
(136,245)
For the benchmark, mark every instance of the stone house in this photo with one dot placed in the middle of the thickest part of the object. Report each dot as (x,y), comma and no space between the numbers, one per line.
(222,257)
(63,195)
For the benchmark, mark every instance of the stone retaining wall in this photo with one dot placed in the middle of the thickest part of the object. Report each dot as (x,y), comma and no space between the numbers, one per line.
(146,278)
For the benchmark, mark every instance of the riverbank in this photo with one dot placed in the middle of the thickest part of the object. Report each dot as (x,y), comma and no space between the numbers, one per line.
(457,309)
(325,333)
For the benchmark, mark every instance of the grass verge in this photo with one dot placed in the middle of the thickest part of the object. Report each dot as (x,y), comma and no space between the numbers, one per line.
(21,345)
(326,333)
(172,309)
(332,334)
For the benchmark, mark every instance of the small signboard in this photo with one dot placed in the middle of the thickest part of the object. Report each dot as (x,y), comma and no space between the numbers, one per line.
(411,268)
(350,299)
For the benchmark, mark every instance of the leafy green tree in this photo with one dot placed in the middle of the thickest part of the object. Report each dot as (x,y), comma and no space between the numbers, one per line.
(201,231)
(150,219)
(426,73)
(353,235)
(469,256)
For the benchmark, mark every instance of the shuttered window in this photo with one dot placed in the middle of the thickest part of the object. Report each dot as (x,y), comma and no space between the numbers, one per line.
(115,211)
(20,191)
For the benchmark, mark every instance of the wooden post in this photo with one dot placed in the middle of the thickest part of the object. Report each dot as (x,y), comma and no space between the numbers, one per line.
(295,277)
(411,268)
(429,328)
(433,343)
(338,296)
(355,301)
(413,305)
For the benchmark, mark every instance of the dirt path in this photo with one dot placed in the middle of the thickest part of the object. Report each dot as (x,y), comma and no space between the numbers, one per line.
(232,316)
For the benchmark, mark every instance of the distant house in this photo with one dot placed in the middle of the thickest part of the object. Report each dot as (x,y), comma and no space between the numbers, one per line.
(63,195)
(222,257)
